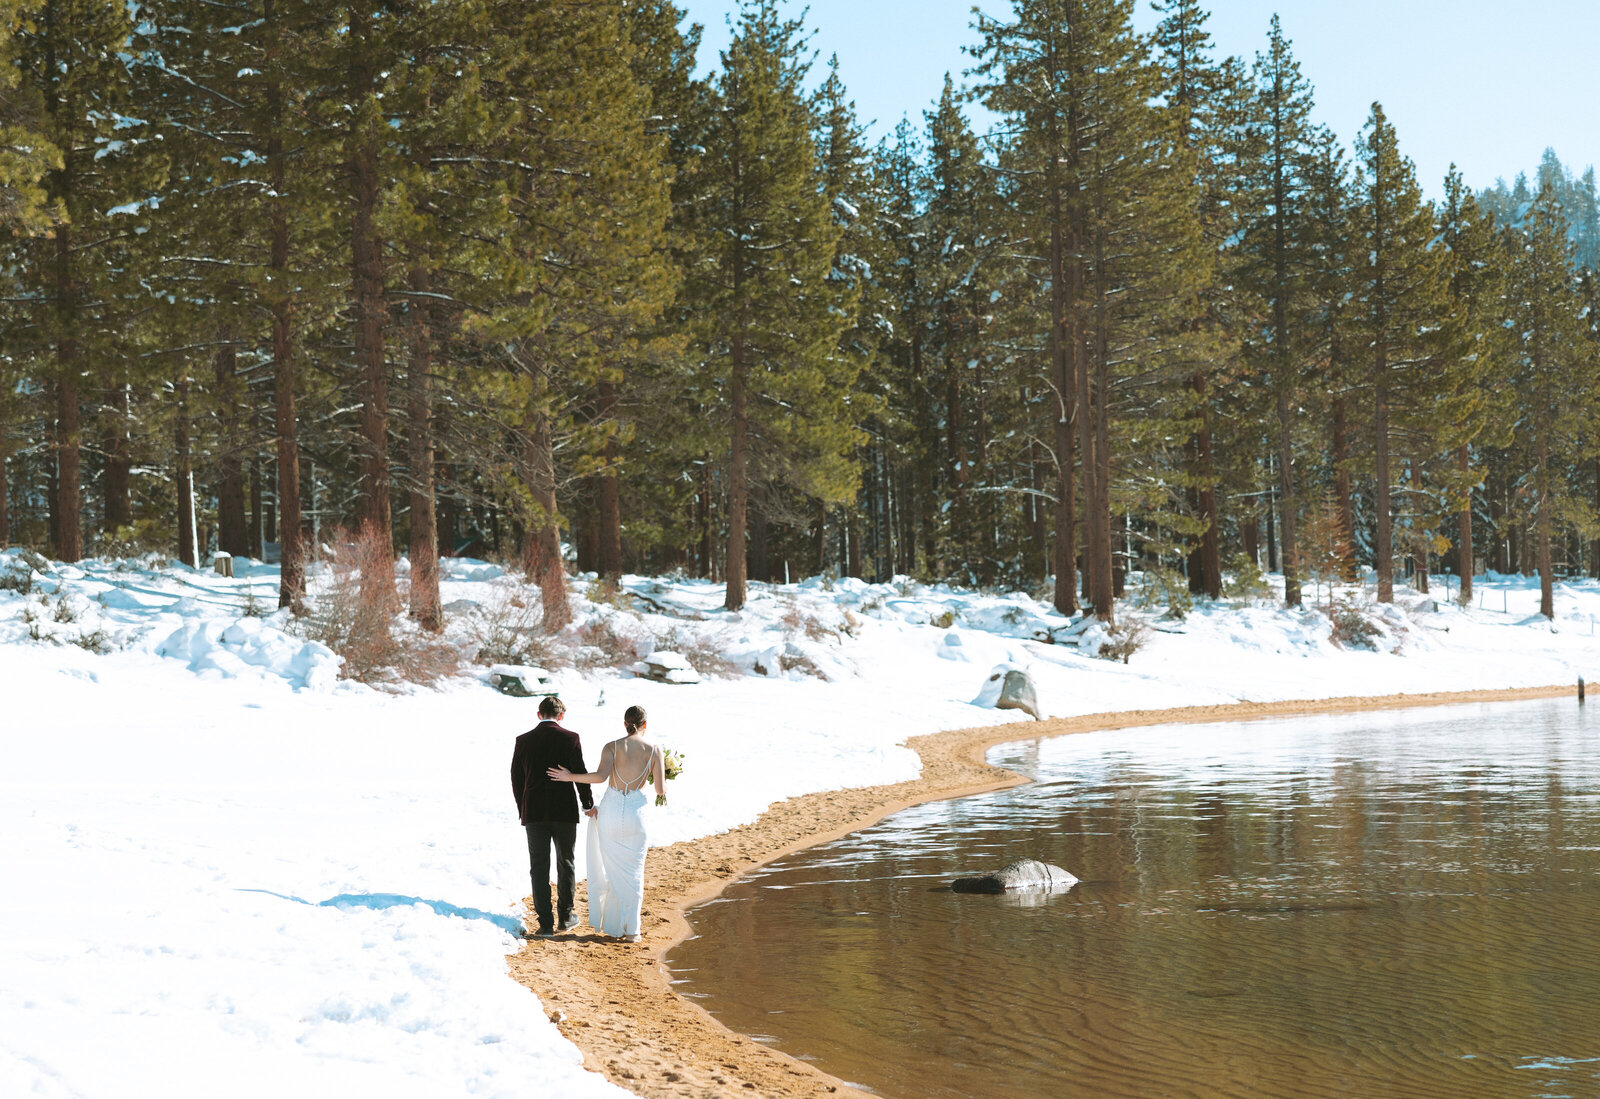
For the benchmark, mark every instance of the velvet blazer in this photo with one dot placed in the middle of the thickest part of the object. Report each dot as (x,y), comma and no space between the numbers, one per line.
(539,797)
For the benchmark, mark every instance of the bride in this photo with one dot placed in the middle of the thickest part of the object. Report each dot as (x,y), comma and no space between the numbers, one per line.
(617,836)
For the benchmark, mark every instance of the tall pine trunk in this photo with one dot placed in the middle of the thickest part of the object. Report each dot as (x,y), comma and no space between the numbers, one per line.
(232,532)
(1282,362)
(1383,550)
(1341,486)
(257,513)
(425,603)
(1420,538)
(1289,548)
(1064,371)
(5,491)
(280,300)
(608,492)
(1103,574)
(1465,565)
(738,483)
(541,549)
(1547,599)
(183,475)
(68,440)
(119,461)
(1205,560)
(368,308)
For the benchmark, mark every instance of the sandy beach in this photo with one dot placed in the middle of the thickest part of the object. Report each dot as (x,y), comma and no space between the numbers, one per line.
(613,1000)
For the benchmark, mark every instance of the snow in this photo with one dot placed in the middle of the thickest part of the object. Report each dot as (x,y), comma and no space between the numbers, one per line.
(239,873)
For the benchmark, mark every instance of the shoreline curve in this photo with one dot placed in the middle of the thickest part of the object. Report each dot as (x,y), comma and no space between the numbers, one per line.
(614,1000)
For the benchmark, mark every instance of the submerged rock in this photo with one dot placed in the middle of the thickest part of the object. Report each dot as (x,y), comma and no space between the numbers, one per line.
(1029,874)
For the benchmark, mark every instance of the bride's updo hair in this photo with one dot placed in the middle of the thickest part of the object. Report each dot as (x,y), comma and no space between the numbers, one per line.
(632,718)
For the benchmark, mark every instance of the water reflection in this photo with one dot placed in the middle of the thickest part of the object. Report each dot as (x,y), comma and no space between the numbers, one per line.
(1382,904)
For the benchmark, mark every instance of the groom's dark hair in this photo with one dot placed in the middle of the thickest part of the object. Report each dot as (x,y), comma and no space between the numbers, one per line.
(551,706)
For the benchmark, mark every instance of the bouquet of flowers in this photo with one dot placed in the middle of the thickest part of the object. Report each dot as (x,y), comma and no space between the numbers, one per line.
(672,767)
(671,764)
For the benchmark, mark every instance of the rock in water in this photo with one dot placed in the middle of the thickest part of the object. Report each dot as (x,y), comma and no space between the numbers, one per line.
(1024,874)
(1017,693)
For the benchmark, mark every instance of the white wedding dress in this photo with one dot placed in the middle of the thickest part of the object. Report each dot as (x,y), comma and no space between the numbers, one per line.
(616,850)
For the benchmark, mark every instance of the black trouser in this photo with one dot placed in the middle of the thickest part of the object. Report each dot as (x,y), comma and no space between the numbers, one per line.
(541,834)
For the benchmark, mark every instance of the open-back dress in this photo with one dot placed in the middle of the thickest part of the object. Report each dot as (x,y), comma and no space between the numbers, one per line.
(616,850)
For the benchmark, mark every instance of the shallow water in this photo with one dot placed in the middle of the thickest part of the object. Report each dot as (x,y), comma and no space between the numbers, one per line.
(1395,904)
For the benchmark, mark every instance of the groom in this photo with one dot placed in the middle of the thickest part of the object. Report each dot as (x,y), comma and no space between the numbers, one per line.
(549,809)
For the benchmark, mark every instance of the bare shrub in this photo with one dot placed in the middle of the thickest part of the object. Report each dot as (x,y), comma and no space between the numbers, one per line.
(798,620)
(93,641)
(944,619)
(506,629)
(796,660)
(17,576)
(704,651)
(1352,626)
(602,645)
(1124,639)
(353,612)
(34,614)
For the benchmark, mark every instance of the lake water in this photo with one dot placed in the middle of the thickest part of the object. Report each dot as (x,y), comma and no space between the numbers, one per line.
(1382,904)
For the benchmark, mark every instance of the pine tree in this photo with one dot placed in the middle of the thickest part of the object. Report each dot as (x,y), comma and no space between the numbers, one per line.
(25,156)
(1276,259)
(1555,381)
(1203,96)
(1402,298)
(71,60)
(246,214)
(901,430)
(1474,261)
(1329,319)
(583,265)
(770,330)
(963,278)
(1107,190)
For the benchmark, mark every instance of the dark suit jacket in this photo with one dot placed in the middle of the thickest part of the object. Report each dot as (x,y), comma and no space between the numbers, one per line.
(540,798)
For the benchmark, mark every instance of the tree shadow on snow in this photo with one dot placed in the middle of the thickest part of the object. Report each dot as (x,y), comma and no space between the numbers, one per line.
(381,901)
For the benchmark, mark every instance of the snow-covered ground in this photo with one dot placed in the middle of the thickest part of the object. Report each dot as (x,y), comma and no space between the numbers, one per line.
(227,871)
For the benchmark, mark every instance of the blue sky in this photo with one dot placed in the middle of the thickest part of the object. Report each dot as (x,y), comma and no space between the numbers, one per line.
(1486,85)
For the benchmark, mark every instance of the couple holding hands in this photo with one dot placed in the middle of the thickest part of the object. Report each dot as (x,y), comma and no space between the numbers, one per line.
(549,779)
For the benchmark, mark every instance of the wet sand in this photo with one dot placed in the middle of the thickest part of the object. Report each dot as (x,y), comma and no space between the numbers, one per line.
(612,999)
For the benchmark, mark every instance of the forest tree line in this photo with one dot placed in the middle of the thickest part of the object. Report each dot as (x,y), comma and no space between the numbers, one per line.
(485,276)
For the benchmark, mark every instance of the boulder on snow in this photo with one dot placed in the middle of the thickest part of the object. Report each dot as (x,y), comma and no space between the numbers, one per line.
(521,680)
(1023,874)
(951,648)
(666,666)
(1009,688)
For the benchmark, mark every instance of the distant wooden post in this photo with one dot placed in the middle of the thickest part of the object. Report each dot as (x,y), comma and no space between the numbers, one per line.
(223,563)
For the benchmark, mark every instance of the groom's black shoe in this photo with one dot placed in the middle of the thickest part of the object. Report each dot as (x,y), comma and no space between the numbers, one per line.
(544,932)
(569,920)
